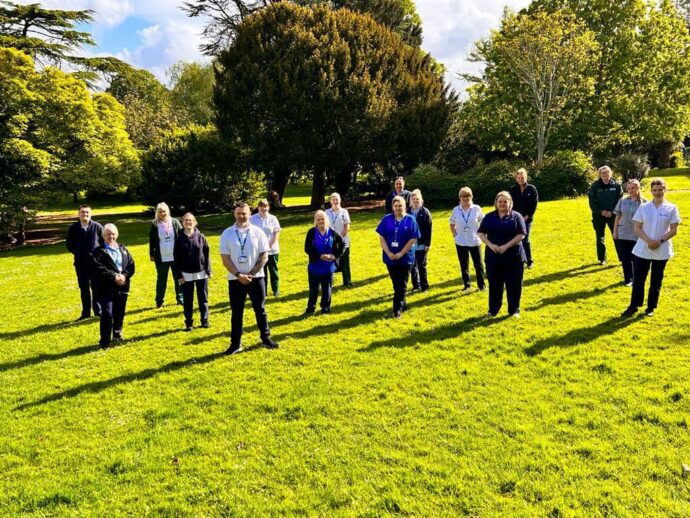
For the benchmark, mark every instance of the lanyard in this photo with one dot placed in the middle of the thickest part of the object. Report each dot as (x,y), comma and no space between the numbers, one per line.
(243,242)
(466,219)
(397,227)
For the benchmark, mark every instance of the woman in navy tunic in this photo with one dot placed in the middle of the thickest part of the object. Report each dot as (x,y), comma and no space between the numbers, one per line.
(324,247)
(398,233)
(502,231)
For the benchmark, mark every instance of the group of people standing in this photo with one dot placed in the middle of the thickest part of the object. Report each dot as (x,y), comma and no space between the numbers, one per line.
(250,251)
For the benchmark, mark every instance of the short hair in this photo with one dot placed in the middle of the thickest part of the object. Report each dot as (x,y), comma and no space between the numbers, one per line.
(658,181)
(505,194)
(465,191)
(161,205)
(633,181)
(399,178)
(523,171)
(84,206)
(605,168)
(401,200)
(418,194)
(111,227)
(191,216)
(335,195)
(263,203)
(319,213)
(242,205)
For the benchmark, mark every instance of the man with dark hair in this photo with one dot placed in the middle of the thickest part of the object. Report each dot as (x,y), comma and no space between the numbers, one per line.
(83,237)
(398,191)
(603,198)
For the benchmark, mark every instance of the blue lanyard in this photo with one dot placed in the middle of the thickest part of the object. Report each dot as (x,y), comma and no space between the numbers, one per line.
(397,227)
(243,242)
(466,219)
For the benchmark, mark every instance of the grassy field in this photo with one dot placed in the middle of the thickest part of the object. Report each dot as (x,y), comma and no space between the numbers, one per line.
(568,411)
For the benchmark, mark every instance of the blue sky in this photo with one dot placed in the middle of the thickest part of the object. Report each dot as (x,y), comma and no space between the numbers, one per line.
(154,34)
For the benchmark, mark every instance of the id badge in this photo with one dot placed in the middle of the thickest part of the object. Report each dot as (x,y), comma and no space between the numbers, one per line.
(395,244)
(466,229)
(243,259)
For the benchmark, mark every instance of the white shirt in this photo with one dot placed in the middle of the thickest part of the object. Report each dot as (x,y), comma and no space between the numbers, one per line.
(270,226)
(338,221)
(656,221)
(166,243)
(255,244)
(466,225)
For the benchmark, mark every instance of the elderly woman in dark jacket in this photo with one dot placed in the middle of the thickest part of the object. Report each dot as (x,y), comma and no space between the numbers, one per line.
(324,247)
(114,267)
(423,217)
(194,266)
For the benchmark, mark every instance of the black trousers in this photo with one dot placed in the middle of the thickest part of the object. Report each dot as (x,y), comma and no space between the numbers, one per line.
(526,243)
(325,284)
(256,290)
(85,279)
(624,248)
(419,272)
(399,274)
(464,253)
(506,274)
(641,268)
(112,315)
(600,223)
(202,299)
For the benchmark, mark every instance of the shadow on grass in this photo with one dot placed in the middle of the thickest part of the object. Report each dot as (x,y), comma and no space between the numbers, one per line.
(48,357)
(580,336)
(573,296)
(98,386)
(565,274)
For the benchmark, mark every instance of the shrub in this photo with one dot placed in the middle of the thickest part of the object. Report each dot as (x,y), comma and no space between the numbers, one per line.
(632,165)
(677,159)
(437,186)
(195,170)
(564,174)
(488,180)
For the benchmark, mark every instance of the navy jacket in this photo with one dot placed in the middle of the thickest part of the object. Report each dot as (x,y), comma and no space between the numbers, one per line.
(525,202)
(389,200)
(192,253)
(82,243)
(105,271)
(424,224)
(313,253)
(604,196)
(154,240)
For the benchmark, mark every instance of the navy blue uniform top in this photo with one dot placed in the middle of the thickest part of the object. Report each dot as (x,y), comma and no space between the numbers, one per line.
(82,242)
(321,244)
(405,194)
(397,234)
(501,230)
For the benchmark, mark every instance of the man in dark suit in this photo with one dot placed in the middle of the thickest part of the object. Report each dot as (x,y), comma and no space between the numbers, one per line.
(399,191)
(525,201)
(83,237)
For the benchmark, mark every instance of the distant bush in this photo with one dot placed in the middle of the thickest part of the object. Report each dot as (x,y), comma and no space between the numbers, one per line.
(632,166)
(488,180)
(564,174)
(195,170)
(677,159)
(437,186)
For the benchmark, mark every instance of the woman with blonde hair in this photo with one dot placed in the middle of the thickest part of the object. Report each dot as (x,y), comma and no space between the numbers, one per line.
(162,235)
(324,247)
(502,231)
(624,236)
(194,266)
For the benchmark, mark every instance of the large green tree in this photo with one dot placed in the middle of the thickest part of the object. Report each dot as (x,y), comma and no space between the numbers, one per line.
(192,91)
(322,90)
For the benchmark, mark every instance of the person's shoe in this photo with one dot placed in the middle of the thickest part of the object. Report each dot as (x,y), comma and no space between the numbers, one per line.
(105,347)
(159,305)
(268,343)
(308,313)
(404,307)
(630,312)
(205,325)
(83,317)
(414,288)
(397,314)
(326,311)
(628,283)
(424,290)
(118,339)
(482,289)
(467,289)
(180,303)
(602,263)
(189,328)
(489,315)
(348,285)
(649,312)
(530,265)
(233,350)
(515,315)
(276,293)
(97,315)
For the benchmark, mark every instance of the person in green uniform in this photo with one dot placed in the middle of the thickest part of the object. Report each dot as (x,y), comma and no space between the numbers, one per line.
(603,198)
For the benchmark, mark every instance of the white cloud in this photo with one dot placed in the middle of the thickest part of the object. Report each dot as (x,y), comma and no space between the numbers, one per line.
(107,13)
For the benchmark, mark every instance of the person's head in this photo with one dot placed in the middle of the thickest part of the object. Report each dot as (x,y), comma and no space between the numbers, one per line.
(335,201)
(399,184)
(633,188)
(110,233)
(658,186)
(398,206)
(521,176)
(242,214)
(321,220)
(416,199)
(189,221)
(162,213)
(465,196)
(605,173)
(84,214)
(263,208)
(503,202)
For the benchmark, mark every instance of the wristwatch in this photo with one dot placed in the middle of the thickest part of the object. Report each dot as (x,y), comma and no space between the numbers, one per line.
(661,240)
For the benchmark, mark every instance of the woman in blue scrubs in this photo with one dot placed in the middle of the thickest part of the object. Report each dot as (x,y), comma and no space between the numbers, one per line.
(324,247)
(398,233)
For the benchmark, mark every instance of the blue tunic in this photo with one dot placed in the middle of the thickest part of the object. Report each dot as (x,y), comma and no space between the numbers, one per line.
(324,245)
(397,234)
(501,230)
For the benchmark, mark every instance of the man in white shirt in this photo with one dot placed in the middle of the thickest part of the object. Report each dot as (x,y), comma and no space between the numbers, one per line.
(656,222)
(269,224)
(244,250)
(340,223)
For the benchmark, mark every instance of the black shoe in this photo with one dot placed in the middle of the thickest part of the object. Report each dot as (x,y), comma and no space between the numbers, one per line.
(397,314)
(268,343)
(630,312)
(602,263)
(515,314)
(189,328)
(118,338)
(83,317)
(649,312)
(530,265)
(482,289)
(424,290)
(326,311)
(628,283)
(308,313)
(349,285)
(97,315)
(233,350)
(205,325)
(276,293)
(159,305)
(467,289)
(104,346)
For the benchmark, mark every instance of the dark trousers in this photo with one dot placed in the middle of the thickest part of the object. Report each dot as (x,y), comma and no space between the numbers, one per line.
(162,270)
(201,298)
(624,248)
(506,274)
(112,315)
(85,280)
(526,243)
(344,267)
(238,295)
(600,223)
(418,271)
(641,268)
(323,282)
(399,274)
(464,253)
(271,269)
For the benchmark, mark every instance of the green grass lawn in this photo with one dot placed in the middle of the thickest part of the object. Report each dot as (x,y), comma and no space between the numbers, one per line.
(568,411)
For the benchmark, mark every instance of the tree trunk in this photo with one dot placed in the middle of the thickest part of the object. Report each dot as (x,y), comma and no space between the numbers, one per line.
(344,180)
(279,183)
(318,190)
(665,151)
(75,197)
